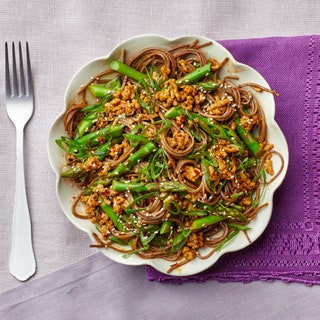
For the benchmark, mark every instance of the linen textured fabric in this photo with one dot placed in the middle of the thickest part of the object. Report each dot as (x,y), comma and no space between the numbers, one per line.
(289,248)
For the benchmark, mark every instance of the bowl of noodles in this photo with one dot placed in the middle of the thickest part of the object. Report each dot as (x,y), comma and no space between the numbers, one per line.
(167,153)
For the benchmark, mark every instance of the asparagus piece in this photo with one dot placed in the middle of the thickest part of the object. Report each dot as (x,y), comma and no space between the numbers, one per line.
(195,75)
(100,135)
(133,159)
(127,70)
(208,86)
(206,221)
(111,214)
(86,123)
(209,126)
(149,187)
(124,167)
(106,91)
(247,137)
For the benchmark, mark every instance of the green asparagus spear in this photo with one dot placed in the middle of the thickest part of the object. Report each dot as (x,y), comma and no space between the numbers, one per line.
(106,91)
(127,70)
(209,126)
(195,75)
(133,159)
(247,137)
(98,136)
(149,187)
(111,214)
(206,221)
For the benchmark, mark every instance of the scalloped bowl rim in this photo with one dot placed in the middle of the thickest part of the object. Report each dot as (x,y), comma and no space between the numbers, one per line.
(65,190)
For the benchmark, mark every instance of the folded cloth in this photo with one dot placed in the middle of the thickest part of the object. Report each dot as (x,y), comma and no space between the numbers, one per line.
(289,248)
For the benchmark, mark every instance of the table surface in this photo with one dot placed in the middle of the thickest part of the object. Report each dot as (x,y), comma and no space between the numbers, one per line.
(63,35)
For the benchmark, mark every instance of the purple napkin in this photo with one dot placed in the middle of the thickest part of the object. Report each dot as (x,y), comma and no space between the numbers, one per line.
(289,248)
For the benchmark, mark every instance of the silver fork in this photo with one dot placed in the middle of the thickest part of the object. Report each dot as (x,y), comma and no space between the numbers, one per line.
(20,105)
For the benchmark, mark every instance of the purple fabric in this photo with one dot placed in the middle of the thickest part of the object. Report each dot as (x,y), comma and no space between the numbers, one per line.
(289,248)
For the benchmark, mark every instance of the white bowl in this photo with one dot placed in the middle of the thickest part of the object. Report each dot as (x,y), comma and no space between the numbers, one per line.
(66,190)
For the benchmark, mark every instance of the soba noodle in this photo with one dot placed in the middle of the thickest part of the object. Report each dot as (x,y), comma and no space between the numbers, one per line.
(168,165)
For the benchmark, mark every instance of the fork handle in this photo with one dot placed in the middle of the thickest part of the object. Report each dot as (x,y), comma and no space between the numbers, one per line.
(22,263)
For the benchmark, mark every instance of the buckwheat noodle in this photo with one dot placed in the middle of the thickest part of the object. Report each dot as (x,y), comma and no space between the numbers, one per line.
(218,177)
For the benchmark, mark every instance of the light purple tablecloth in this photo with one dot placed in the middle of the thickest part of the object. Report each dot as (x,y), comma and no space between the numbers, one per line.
(97,288)
(73,281)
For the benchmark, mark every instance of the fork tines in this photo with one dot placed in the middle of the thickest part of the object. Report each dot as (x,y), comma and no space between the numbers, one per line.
(18,86)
